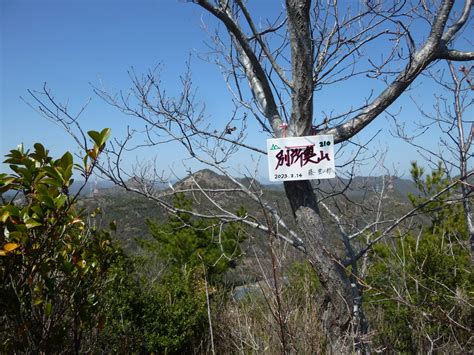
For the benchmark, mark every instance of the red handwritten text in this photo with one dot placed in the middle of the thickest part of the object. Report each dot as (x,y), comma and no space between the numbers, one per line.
(294,155)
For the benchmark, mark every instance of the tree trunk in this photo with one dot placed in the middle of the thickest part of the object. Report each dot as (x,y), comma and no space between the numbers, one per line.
(338,303)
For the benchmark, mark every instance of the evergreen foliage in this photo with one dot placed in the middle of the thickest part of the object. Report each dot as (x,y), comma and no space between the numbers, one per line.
(53,263)
(157,302)
(193,244)
(165,315)
(422,285)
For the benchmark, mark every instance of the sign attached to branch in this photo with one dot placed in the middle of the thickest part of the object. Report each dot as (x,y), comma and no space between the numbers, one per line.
(301,158)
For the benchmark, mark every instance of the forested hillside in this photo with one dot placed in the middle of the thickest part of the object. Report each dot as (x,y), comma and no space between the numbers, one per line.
(133,217)
(111,272)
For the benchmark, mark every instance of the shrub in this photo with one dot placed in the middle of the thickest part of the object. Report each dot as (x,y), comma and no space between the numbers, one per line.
(423,284)
(52,263)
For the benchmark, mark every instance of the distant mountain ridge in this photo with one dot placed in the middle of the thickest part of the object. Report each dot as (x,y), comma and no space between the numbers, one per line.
(208,179)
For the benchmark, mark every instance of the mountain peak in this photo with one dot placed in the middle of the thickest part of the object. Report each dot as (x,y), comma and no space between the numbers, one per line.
(206,179)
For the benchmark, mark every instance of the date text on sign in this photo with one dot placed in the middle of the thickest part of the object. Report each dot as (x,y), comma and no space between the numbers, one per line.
(301,158)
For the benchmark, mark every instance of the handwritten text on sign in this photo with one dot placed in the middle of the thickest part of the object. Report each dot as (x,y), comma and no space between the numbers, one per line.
(301,158)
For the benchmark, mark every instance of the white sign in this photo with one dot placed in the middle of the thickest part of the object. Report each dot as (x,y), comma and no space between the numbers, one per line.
(301,158)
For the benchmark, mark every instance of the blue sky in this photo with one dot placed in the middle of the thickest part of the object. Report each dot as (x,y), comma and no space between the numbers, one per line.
(74,44)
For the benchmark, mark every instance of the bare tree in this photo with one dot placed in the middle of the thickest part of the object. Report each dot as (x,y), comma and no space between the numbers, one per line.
(463,142)
(285,61)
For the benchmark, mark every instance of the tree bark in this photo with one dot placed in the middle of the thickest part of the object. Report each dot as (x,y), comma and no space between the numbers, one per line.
(338,303)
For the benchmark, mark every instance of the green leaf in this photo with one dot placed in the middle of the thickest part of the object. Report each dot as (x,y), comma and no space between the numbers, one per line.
(66,160)
(4,215)
(54,173)
(46,200)
(60,200)
(95,137)
(48,307)
(12,210)
(20,171)
(38,301)
(31,223)
(100,138)
(104,135)
(15,157)
(40,154)
(51,181)
(68,266)
(66,163)
(38,211)
(19,235)
(7,180)
(40,148)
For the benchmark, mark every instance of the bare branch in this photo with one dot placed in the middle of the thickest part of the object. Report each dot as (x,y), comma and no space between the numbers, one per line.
(411,213)
(432,50)
(452,30)
(253,70)
(258,37)
(456,55)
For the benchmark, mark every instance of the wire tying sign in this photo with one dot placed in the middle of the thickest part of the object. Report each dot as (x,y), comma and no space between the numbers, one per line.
(301,158)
